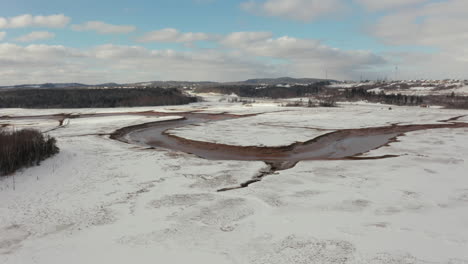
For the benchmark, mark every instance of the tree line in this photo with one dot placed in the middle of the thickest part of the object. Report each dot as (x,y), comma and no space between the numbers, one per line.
(274,92)
(92,98)
(395,99)
(449,101)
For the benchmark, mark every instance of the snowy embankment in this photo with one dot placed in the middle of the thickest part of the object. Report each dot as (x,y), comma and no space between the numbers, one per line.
(103,201)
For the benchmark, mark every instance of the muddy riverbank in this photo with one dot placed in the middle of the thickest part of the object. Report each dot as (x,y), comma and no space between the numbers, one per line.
(340,144)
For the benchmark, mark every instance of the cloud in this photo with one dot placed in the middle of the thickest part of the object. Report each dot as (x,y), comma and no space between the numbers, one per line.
(424,65)
(2,35)
(19,63)
(237,56)
(304,57)
(110,51)
(245,38)
(104,28)
(35,53)
(300,10)
(441,25)
(171,35)
(27,20)
(36,35)
(377,5)
(45,63)
(438,26)
(309,10)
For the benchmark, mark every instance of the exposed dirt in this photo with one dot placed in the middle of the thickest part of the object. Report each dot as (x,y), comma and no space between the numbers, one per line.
(453,118)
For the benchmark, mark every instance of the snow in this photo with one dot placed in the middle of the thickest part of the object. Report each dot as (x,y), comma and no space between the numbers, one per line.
(301,124)
(106,125)
(122,110)
(76,202)
(376,90)
(103,201)
(348,85)
(408,204)
(423,91)
(463,119)
(415,87)
(41,124)
(422,88)
(463,90)
(236,132)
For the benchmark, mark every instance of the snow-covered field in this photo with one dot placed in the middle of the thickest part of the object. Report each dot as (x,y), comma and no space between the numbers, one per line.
(103,201)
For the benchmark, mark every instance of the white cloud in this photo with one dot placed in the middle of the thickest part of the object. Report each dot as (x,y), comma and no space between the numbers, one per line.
(439,26)
(43,63)
(240,55)
(245,38)
(304,57)
(27,20)
(2,35)
(104,28)
(17,54)
(375,5)
(442,25)
(171,35)
(309,10)
(36,35)
(110,51)
(300,10)
(424,65)
(3,22)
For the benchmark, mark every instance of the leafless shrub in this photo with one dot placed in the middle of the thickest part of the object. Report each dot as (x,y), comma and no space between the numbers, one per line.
(327,103)
(24,148)
(298,103)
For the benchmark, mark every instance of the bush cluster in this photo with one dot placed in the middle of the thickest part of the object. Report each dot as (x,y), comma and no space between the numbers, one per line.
(395,99)
(24,148)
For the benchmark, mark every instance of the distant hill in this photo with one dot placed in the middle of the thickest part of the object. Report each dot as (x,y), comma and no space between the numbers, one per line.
(108,85)
(170,84)
(58,86)
(61,85)
(45,86)
(284,80)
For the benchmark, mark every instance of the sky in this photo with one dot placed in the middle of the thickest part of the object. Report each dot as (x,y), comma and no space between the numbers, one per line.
(225,40)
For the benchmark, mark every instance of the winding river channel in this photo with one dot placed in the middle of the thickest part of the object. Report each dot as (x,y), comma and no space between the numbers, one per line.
(341,144)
